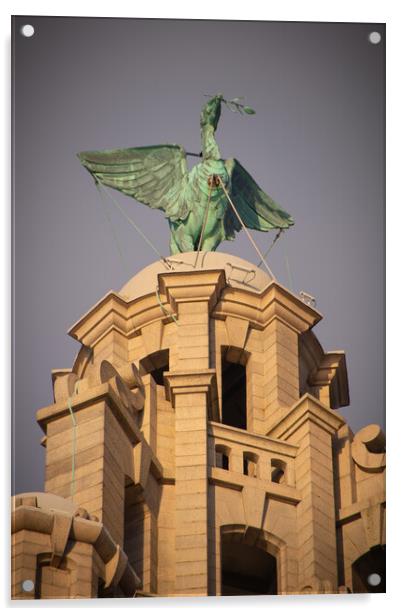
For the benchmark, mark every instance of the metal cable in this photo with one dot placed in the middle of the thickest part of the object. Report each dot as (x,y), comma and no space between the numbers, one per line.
(289,272)
(74,441)
(114,234)
(168,314)
(246,230)
(276,238)
(136,227)
(204,223)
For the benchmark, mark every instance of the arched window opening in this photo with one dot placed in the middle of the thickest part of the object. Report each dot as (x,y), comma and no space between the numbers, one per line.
(222,455)
(234,395)
(368,571)
(247,570)
(250,464)
(278,471)
(156,364)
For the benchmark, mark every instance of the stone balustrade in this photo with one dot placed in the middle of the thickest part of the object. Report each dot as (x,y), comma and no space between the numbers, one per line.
(254,455)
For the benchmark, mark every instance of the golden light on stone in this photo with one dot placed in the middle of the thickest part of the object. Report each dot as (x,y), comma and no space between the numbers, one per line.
(210,454)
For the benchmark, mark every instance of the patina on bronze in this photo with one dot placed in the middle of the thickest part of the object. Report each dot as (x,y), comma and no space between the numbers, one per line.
(194,202)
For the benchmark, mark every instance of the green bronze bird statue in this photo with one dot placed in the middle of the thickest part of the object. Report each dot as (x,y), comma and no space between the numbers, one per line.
(204,206)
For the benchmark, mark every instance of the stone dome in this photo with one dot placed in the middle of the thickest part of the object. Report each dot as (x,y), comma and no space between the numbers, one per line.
(240,273)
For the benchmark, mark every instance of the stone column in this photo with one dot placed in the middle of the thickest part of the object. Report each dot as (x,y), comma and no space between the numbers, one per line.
(281,369)
(192,296)
(190,394)
(191,387)
(311,426)
(285,317)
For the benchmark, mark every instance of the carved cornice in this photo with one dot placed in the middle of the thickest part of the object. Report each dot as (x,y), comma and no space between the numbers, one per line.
(114,313)
(109,313)
(101,393)
(325,369)
(275,302)
(194,286)
(332,372)
(196,381)
(248,439)
(307,408)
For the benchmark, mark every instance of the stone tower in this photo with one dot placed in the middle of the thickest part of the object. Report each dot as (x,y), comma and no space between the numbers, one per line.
(196,448)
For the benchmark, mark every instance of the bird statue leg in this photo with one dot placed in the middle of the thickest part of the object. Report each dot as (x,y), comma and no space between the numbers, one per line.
(211,243)
(180,239)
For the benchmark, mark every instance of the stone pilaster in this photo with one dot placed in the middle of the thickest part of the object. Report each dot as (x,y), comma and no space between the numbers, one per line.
(191,394)
(191,388)
(281,369)
(311,426)
(192,298)
(285,317)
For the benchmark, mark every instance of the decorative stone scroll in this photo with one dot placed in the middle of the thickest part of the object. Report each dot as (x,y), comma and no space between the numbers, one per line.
(368,448)
(123,381)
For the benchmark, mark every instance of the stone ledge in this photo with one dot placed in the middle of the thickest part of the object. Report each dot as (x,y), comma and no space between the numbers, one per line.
(350,512)
(192,286)
(249,439)
(260,309)
(195,381)
(236,481)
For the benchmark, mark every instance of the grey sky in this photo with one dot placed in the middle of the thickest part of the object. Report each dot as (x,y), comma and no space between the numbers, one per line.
(316,145)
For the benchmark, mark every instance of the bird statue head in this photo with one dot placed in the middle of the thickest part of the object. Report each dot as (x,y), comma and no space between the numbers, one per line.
(211,111)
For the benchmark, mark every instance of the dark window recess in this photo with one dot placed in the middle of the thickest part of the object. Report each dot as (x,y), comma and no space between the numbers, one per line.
(278,469)
(222,460)
(250,464)
(247,570)
(157,374)
(234,395)
(277,475)
(368,571)
(155,364)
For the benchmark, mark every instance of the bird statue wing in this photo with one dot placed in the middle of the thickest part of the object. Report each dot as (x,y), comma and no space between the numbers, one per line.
(256,209)
(153,175)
